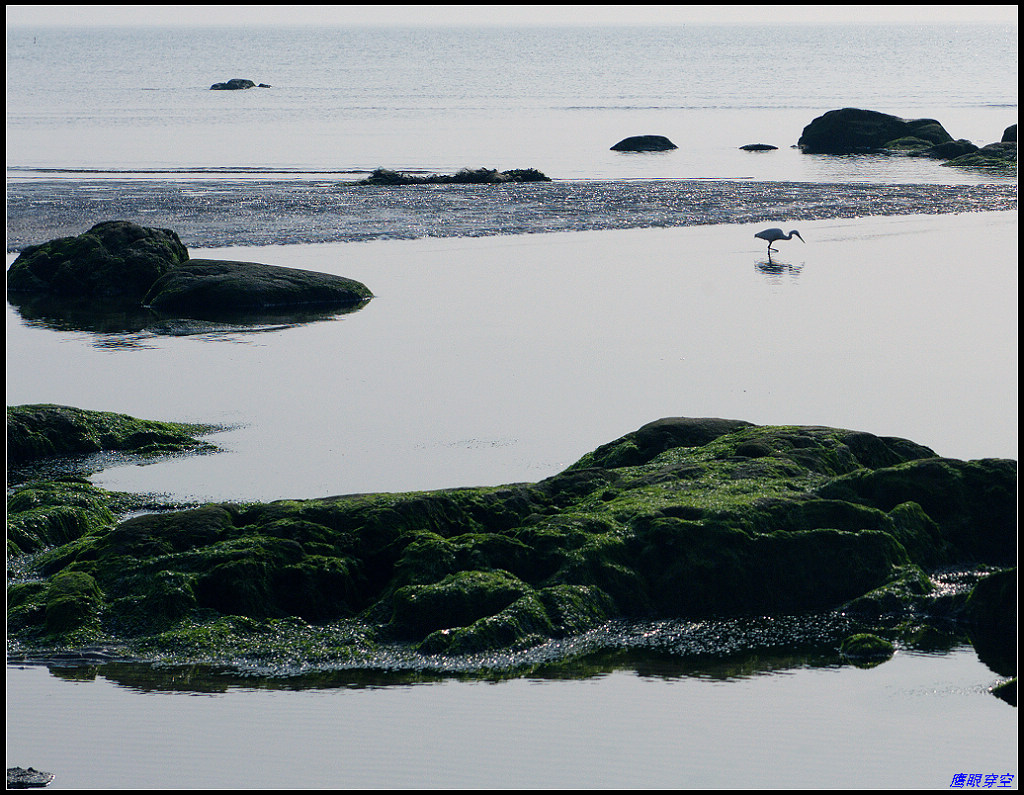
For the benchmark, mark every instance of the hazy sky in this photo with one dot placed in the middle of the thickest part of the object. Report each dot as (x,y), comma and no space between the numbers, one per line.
(497,14)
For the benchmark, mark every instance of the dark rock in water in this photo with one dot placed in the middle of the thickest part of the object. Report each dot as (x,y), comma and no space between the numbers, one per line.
(118,263)
(991,613)
(948,150)
(22,778)
(1009,134)
(1007,691)
(213,286)
(114,259)
(644,143)
(466,176)
(235,84)
(758,148)
(852,130)
(1000,157)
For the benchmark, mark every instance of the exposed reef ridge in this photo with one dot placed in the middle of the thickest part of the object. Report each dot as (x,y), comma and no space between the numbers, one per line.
(682,520)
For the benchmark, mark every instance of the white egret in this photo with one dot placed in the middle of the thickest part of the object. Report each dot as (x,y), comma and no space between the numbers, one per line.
(773,235)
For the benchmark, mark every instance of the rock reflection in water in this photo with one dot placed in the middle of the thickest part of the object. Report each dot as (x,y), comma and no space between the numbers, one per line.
(119,325)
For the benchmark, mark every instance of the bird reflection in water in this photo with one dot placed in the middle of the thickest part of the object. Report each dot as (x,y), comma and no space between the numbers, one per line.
(774,271)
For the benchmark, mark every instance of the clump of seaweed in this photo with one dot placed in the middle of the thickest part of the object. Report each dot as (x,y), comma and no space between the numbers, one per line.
(465,176)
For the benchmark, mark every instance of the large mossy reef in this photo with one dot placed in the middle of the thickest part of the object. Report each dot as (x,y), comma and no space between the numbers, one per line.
(683,519)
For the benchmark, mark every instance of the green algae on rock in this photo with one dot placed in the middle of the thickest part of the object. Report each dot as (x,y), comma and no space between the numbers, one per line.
(41,430)
(687,519)
(866,648)
(113,259)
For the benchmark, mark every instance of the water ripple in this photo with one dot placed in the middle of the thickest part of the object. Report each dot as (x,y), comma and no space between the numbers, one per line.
(224,212)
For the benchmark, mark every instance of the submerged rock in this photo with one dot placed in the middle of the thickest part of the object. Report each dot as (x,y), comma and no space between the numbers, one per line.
(114,259)
(758,148)
(206,286)
(681,519)
(644,143)
(853,130)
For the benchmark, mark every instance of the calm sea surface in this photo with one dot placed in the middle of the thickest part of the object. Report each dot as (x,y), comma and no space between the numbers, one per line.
(505,358)
(554,99)
(914,722)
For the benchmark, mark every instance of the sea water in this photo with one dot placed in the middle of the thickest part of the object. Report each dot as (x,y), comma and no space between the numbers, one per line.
(915,722)
(441,99)
(505,358)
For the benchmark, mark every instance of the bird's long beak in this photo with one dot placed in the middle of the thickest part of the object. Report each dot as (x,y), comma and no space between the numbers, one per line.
(798,235)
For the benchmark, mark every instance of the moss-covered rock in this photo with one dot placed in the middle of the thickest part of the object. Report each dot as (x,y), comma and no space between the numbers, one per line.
(681,519)
(905,591)
(948,150)
(114,259)
(999,158)
(118,266)
(45,430)
(867,648)
(971,502)
(53,513)
(214,287)
(72,600)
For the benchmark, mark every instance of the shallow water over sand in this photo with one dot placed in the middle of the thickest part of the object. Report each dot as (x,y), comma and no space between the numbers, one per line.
(504,359)
(226,212)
